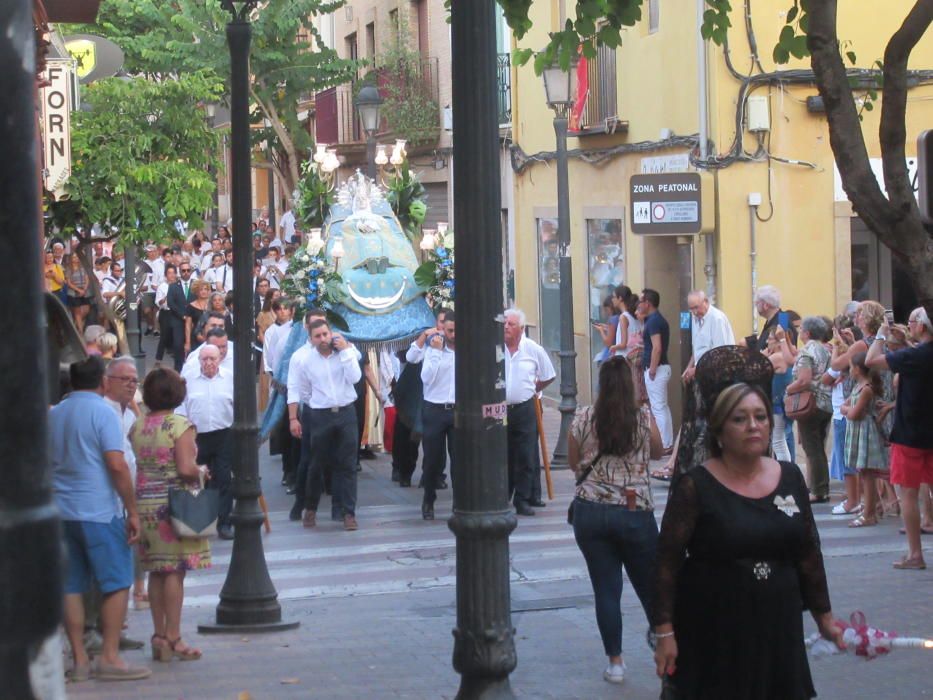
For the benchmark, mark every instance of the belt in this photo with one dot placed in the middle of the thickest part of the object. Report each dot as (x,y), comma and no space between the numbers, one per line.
(332,409)
(215,432)
(520,403)
(444,406)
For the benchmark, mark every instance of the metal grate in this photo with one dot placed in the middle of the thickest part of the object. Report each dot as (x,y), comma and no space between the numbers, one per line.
(504,94)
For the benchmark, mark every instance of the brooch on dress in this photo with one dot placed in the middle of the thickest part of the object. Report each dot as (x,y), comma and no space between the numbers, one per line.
(788,506)
(762,570)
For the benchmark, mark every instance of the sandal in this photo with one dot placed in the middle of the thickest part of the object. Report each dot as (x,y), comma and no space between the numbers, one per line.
(661,474)
(913,564)
(160,652)
(186,654)
(863,521)
(842,508)
(923,530)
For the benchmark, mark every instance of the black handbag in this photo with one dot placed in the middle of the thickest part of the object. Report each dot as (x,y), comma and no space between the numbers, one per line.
(580,480)
(193,512)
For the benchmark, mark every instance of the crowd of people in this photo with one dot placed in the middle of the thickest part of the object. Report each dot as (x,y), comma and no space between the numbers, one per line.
(737,557)
(859,378)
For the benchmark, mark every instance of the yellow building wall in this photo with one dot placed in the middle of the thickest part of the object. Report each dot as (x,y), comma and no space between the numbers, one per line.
(802,247)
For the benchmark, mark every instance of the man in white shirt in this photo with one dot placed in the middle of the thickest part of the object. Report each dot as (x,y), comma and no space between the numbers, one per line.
(152,281)
(437,413)
(114,285)
(216,335)
(710,328)
(275,270)
(287,226)
(208,405)
(207,259)
(223,275)
(528,370)
(325,371)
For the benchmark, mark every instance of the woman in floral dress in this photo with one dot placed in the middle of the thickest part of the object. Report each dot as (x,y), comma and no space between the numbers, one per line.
(165,457)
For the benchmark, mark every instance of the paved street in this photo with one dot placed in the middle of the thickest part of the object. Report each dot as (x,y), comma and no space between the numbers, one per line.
(377,606)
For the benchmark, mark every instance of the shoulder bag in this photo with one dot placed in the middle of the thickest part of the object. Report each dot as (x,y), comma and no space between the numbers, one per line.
(193,512)
(800,405)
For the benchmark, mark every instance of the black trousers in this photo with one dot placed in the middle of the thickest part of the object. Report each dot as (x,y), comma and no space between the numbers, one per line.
(177,326)
(165,333)
(215,449)
(335,440)
(522,434)
(438,420)
(404,450)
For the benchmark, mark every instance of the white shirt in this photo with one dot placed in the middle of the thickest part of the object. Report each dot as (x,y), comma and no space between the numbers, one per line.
(389,369)
(162,295)
(224,275)
(437,374)
(157,276)
(287,222)
(711,331)
(192,366)
(112,284)
(127,419)
(274,277)
(272,344)
(528,365)
(206,259)
(327,382)
(415,354)
(209,402)
(838,394)
(634,326)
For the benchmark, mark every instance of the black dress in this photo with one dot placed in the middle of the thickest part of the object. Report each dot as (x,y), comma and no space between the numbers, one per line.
(734,575)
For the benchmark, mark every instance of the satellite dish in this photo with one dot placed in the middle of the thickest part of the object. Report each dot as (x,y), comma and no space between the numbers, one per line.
(95,56)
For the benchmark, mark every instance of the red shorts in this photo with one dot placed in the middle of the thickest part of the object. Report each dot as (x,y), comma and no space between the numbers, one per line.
(911,466)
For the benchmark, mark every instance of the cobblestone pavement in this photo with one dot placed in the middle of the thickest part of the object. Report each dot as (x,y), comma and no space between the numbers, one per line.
(377,607)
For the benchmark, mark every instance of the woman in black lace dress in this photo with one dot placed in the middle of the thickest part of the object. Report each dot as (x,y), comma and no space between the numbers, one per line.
(738,561)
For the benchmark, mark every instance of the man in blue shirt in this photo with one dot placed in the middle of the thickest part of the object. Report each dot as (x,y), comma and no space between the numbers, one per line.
(92,488)
(657,337)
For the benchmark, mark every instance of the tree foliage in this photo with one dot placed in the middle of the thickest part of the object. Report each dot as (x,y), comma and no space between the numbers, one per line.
(141,150)
(288,60)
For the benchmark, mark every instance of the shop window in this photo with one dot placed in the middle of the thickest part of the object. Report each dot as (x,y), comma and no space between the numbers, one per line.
(606,270)
(549,295)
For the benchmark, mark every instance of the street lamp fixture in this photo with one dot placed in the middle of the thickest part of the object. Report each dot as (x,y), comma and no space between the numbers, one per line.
(368,103)
(248,599)
(560,88)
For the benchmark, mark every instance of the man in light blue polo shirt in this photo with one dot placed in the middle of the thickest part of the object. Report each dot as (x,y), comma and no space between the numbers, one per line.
(92,488)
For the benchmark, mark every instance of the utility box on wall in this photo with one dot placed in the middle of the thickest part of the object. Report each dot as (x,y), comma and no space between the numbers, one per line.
(757,113)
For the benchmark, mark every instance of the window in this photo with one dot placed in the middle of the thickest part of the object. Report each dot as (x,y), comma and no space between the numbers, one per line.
(600,105)
(654,16)
(606,266)
(371,40)
(549,294)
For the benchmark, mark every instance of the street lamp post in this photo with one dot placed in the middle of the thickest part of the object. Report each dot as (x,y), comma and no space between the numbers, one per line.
(248,599)
(368,103)
(134,336)
(560,90)
(30,533)
(484,640)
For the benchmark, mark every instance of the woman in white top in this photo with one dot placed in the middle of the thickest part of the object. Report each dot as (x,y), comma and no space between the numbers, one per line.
(628,341)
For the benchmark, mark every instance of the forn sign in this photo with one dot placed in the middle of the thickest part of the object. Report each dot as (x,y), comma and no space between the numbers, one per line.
(55,101)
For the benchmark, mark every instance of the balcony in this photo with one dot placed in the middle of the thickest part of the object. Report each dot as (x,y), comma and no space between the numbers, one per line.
(410,107)
(600,113)
(504,91)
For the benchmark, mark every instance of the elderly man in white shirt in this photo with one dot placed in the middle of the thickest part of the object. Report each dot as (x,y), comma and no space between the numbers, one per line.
(209,405)
(710,329)
(214,334)
(528,370)
(325,371)
(437,413)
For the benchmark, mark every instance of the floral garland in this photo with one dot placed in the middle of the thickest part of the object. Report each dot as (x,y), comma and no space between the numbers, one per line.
(312,280)
(437,274)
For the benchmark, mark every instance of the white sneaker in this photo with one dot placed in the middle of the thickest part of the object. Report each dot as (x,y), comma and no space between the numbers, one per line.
(614,673)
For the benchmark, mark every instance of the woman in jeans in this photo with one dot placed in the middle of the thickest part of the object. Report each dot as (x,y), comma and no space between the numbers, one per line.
(609,446)
(811,362)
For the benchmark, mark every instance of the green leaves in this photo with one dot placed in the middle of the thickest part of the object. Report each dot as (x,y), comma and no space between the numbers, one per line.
(792,41)
(406,195)
(141,153)
(426,274)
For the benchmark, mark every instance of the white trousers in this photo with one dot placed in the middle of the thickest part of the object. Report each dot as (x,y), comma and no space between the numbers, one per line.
(657,398)
(779,439)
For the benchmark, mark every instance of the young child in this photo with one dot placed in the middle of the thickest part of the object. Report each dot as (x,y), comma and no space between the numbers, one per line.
(865,451)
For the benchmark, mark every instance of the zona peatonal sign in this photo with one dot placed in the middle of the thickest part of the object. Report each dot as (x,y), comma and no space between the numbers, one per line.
(667,203)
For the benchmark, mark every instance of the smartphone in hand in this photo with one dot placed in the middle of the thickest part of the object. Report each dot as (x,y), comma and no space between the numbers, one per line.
(889,317)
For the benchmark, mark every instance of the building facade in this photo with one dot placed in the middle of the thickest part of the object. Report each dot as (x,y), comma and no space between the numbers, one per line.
(778,213)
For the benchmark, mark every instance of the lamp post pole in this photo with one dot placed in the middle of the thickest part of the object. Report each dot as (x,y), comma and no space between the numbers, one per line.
(248,599)
(371,155)
(484,643)
(134,336)
(30,536)
(568,353)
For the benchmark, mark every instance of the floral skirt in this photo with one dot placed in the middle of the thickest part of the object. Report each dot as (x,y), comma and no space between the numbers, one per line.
(160,549)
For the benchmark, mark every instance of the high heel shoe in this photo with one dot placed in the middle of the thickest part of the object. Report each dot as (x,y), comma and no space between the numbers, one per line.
(186,654)
(160,652)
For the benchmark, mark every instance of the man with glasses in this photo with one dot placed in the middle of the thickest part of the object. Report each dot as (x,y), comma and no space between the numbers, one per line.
(114,285)
(185,271)
(911,437)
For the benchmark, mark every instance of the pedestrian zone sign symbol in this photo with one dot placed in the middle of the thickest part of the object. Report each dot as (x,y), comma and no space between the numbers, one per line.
(641,213)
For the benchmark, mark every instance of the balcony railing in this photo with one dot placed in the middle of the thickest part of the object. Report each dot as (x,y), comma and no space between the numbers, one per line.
(504,92)
(602,104)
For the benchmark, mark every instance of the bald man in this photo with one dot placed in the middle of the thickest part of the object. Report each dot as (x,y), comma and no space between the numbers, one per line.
(710,328)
